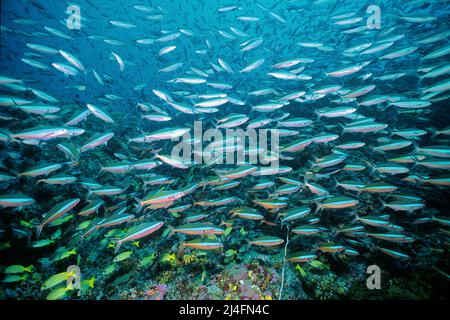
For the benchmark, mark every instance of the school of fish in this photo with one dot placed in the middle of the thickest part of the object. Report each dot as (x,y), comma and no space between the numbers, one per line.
(89,118)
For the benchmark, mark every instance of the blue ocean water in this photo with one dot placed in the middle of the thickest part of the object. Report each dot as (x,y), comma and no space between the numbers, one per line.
(356,92)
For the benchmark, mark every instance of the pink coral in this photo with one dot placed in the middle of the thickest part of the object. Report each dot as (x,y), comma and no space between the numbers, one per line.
(157,292)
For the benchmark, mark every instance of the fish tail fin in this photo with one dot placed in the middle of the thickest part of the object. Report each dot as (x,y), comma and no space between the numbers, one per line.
(118,245)
(335,182)
(204,185)
(181,246)
(318,115)
(383,108)
(371,165)
(415,163)
(311,163)
(9,139)
(39,230)
(75,162)
(12,139)
(318,208)
(155,153)
(392,132)
(139,205)
(171,233)
(91,282)
(416,147)
(420,82)
(305,180)
(355,219)
(433,132)
(373,150)
(383,204)
(342,127)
